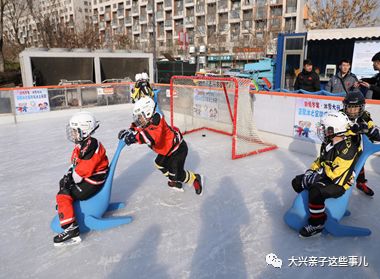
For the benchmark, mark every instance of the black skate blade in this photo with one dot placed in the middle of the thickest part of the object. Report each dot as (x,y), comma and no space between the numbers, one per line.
(71,241)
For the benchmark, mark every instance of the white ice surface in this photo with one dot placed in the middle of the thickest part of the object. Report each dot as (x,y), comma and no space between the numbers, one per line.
(226,233)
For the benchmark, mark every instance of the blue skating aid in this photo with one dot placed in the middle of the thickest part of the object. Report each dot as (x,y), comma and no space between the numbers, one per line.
(155,98)
(296,217)
(89,213)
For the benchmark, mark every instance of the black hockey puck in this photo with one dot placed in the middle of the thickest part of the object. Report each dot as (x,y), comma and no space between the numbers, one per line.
(203,135)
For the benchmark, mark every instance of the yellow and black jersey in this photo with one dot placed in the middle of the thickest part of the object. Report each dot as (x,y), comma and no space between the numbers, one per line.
(141,89)
(338,161)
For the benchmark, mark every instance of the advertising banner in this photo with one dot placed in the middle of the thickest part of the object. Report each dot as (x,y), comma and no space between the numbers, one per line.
(31,100)
(308,113)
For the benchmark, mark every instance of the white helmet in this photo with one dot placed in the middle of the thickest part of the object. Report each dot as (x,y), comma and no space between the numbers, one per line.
(145,76)
(81,126)
(143,111)
(138,77)
(334,123)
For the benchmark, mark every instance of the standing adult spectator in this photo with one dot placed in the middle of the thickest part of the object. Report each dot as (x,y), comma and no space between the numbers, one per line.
(344,81)
(374,82)
(308,79)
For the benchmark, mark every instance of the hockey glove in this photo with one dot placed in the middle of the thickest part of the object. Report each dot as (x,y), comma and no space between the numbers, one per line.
(310,177)
(374,134)
(359,128)
(66,183)
(130,137)
(122,134)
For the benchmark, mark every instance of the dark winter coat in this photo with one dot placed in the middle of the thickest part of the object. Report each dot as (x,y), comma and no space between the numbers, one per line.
(374,86)
(308,81)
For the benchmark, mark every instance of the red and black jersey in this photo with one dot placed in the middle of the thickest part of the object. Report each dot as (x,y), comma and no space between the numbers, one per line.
(159,136)
(90,162)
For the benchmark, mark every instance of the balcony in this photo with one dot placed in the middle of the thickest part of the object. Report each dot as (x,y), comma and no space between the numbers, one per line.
(211,20)
(128,3)
(150,27)
(189,3)
(210,1)
(168,24)
(143,37)
(276,2)
(107,16)
(136,29)
(128,21)
(201,31)
(246,25)
(235,38)
(95,18)
(167,5)
(260,25)
(291,10)
(102,25)
(135,10)
(189,21)
(143,19)
(119,30)
(223,27)
(222,6)
(247,4)
(149,8)
(120,13)
(235,16)
(261,16)
(115,23)
(160,16)
(178,14)
(200,10)
(160,35)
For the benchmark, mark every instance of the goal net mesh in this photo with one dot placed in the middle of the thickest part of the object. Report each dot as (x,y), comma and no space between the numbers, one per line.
(218,104)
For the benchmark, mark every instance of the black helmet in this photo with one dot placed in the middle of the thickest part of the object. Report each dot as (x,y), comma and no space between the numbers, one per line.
(350,102)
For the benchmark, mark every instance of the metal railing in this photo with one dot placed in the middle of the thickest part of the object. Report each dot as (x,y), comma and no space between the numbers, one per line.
(68,97)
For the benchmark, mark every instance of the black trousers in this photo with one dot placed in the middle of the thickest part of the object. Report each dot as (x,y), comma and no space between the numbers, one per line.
(324,189)
(81,191)
(175,163)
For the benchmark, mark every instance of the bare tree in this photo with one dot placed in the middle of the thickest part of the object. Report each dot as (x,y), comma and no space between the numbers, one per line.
(341,14)
(3,4)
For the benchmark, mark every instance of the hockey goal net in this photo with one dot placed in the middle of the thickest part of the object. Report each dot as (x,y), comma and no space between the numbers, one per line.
(219,104)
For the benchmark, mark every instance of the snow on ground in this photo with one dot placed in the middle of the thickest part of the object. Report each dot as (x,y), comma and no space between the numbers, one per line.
(226,233)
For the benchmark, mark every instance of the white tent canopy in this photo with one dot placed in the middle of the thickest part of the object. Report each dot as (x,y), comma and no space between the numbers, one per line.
(348,33)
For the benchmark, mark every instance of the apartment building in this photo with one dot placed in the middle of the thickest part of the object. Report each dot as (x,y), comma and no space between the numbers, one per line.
(228,31)
(73,12)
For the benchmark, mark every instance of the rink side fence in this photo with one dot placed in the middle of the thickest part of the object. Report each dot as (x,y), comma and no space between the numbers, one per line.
(277,106)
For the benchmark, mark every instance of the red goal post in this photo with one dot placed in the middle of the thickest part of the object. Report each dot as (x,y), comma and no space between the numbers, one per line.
(219,104)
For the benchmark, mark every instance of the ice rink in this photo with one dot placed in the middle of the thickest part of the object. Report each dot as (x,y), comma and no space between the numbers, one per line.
(225,233)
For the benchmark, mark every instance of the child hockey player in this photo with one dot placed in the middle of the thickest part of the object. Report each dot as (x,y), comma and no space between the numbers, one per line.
(331,174)
(354,108)
(150,127)
(142,87)
(85,177)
